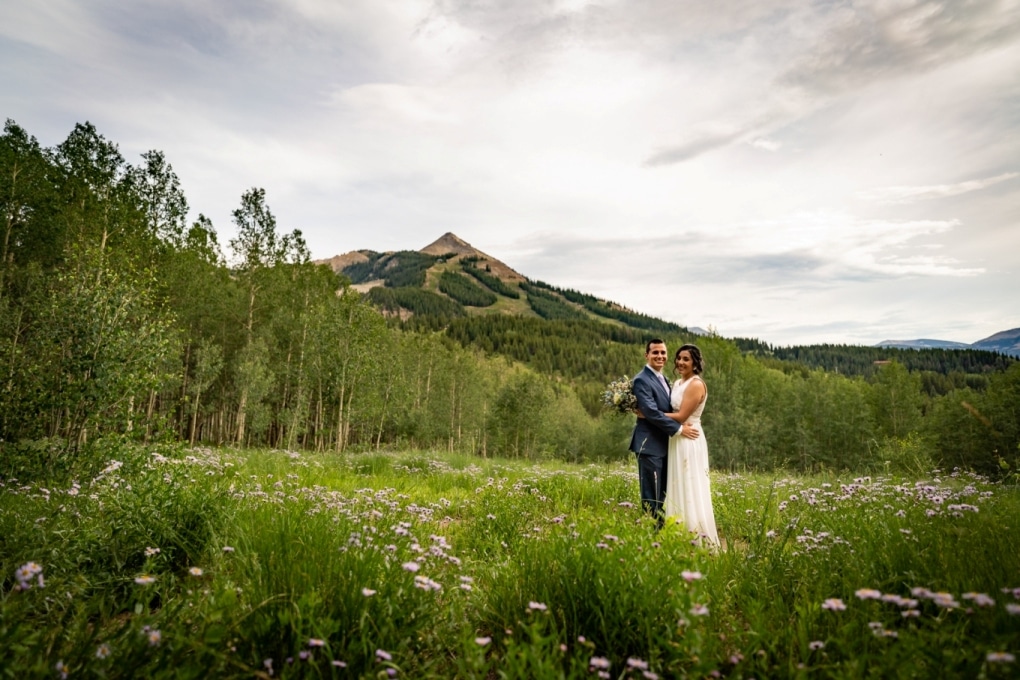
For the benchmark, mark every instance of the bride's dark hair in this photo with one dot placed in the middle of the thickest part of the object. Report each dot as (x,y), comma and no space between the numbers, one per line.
(699,363)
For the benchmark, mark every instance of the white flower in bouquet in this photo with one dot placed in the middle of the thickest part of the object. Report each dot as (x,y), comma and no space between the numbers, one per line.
(619,396)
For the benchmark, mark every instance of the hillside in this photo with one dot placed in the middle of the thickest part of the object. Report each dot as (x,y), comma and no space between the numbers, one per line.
(923,343)
(476,299)
(1004,342)
(1007,342)
(449,278)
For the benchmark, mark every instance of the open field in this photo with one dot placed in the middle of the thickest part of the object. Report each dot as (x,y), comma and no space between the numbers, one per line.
(169,562)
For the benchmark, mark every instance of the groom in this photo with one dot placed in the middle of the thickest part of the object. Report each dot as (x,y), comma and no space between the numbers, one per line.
(650,441)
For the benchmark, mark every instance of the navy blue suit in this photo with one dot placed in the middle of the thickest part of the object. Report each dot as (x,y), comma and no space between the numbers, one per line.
(650,441)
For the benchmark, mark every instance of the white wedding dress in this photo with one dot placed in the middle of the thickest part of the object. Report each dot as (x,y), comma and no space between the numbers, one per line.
(688,492)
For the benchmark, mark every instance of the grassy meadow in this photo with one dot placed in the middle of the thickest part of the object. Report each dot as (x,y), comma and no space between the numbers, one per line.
(194,563)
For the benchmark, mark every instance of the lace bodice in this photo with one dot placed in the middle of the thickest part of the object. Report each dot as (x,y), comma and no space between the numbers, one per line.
(676,396)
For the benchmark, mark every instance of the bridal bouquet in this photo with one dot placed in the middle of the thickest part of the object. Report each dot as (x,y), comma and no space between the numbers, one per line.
(619,396)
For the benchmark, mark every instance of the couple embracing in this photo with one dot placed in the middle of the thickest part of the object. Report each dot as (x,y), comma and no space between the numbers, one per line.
(671,450)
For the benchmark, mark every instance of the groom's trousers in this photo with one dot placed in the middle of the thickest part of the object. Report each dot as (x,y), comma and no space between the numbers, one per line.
(652,481)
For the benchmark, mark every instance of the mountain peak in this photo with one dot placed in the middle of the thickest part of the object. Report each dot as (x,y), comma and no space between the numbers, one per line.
(450,243)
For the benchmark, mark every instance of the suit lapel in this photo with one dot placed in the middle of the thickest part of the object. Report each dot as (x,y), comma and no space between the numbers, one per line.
(658,383)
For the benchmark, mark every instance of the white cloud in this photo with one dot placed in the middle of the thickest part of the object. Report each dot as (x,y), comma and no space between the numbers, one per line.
(766,144)
(907,194)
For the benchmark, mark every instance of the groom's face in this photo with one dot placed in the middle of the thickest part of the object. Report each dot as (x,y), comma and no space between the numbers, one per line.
(656,356)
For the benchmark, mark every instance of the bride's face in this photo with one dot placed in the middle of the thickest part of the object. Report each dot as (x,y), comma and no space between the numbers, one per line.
(684,364)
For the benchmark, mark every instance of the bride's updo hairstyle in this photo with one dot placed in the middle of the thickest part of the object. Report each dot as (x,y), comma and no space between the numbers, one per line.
(699,363)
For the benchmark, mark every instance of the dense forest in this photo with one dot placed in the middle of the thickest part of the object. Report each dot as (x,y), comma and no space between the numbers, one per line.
(122,318)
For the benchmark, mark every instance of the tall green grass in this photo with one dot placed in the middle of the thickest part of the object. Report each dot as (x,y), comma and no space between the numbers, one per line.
(202,563)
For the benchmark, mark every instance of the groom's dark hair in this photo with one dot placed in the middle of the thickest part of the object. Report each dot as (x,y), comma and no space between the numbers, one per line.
(653,341)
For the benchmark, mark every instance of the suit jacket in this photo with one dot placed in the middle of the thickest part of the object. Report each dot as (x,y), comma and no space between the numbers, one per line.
(652,433)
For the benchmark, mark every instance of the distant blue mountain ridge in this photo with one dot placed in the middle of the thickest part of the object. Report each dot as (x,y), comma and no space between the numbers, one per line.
(1005,342)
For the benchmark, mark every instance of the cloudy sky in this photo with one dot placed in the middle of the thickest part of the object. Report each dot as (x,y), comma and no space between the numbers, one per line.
(794,170)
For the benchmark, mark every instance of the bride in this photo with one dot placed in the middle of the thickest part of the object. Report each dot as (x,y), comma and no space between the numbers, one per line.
(688,495)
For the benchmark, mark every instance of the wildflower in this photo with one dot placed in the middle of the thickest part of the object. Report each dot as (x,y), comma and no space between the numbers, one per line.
(228,549)
(103,651)
(367,592)
(195,571)
(875,626)
(316,642)
(690,576)
(304,655)
(490,516)
(338,663)
(154,637)
(151,552)
(599,662)
(999,657)
(868,594)
(383,655)
(945,600)
(467,579)
(639,664)
(834,604)
(391,672)
(145,580)
(910,613)
(61,668)
(816,645)
(482,641)
(699,610)
(537,606)
(26,572)
(1013,609)
(771,533)
(980,599)
(648,675)
(411,566)
(425,583)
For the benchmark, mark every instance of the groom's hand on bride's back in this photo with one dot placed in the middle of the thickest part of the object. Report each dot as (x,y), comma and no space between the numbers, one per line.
(638,413)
